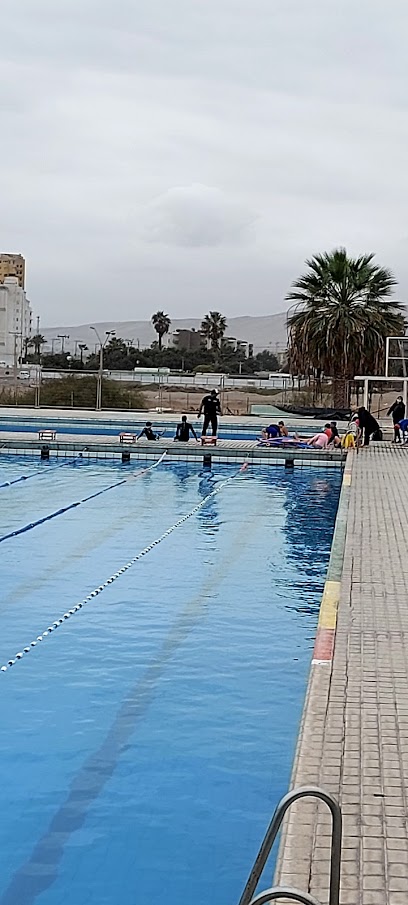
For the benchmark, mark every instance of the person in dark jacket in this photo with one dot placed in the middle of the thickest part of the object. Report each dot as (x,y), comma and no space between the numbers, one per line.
(397,410)
(210,405)
(369,426)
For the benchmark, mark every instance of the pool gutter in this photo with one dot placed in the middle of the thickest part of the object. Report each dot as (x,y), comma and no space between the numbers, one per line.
(237,451)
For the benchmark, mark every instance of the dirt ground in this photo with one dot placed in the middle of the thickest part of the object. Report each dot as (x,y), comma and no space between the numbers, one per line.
(234,402)
(237,402)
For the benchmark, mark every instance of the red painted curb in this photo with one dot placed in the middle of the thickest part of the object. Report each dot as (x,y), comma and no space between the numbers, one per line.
(324,644)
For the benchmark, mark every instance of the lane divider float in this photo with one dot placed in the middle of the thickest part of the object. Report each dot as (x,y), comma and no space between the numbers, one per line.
(95,593)
(92,496)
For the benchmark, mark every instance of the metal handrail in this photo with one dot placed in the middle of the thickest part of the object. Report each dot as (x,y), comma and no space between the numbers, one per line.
(272,832)
(284,892)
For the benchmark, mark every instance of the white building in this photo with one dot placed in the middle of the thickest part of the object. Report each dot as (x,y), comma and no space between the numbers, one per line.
(15,322)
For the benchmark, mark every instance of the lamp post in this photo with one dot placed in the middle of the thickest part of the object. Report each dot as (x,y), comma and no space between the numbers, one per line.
(62,337)
(100,371)
(38,387)
(15,364)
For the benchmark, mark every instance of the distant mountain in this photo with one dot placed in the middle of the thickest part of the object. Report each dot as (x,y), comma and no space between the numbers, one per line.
(267,332)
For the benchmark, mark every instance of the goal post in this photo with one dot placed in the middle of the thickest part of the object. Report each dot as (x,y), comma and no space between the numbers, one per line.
(396,356)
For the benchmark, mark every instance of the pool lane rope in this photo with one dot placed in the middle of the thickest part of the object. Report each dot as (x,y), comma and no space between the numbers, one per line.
(26,477)
(95,593)
(92,496)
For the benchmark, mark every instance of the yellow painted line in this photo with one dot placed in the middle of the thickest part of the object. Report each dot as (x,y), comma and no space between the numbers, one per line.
(329,605)
(347,479)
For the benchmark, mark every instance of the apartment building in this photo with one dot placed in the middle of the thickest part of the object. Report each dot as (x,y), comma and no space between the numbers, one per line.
(186,340)
(12,266)
(15,322)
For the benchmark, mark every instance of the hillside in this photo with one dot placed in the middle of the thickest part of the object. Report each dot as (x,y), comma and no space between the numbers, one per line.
(264,332)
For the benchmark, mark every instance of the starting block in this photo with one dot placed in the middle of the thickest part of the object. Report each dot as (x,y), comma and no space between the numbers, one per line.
(126,439)
(208,441)
(47,435)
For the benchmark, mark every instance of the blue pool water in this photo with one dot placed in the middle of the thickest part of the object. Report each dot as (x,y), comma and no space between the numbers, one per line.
(83,427)
(146,742)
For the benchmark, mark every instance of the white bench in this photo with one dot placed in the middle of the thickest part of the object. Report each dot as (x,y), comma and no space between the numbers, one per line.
(47,435)
(126,439)
(208,441)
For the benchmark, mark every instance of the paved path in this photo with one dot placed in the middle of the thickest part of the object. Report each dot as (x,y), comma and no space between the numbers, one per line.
(354,738)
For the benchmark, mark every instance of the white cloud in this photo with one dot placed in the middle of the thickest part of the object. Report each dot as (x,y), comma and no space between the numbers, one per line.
(168,152)
(196,216)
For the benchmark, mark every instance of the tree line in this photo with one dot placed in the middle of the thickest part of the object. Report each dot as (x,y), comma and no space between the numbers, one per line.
(214,354)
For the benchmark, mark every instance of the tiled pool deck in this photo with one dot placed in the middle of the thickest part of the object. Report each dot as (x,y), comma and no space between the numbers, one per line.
(354,734)
(107,447)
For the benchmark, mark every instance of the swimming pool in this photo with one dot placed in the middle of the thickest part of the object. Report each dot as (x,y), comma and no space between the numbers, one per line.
(146,741)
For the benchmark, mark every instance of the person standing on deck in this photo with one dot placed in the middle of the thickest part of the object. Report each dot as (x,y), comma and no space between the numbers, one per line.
(397,410)
(369,426)
(210,405)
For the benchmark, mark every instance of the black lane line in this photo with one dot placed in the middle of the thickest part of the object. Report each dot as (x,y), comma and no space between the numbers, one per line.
(47,518)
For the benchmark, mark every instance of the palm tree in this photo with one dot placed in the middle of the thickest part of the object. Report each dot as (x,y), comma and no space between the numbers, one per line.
(37,341)
(342,316)
(161,323)
(213,328)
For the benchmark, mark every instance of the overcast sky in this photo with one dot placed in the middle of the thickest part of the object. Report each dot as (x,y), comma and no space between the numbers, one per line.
(190,154)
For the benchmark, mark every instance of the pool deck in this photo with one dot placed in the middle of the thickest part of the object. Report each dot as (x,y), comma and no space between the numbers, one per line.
(239,451)
(354,734)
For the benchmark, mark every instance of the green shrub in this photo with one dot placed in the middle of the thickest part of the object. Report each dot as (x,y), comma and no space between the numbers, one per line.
(76,392)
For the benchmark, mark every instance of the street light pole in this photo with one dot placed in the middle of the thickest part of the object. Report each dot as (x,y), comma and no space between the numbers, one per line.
(15,365)
(62,337)
(100,371)
(38,387)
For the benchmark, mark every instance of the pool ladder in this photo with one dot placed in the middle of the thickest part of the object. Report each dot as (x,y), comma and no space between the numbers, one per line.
(286,892)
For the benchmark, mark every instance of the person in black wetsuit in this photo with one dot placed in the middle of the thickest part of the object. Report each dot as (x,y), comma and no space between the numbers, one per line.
(210,405)
(335,436)
(397,410)
(183,430)
(147,432)
(369,426)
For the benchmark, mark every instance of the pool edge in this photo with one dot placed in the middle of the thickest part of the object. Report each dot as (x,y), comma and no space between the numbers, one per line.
(293,865)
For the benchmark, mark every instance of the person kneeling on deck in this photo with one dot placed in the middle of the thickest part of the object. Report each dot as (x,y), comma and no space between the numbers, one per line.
(401,426)
(352,436)
(183,430)
(271,432)
(369,426)
(210,405)
(147,432)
